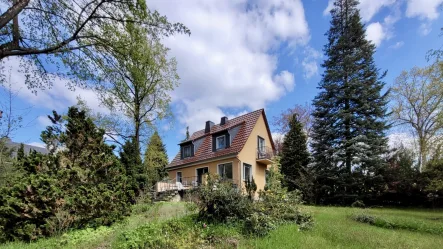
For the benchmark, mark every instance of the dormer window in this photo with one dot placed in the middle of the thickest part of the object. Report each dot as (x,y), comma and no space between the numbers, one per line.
(187,151)
(221,142)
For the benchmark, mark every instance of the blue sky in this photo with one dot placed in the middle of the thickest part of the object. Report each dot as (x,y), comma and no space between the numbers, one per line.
(245,55)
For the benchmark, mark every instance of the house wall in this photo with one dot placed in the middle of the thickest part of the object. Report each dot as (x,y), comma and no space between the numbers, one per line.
(189,173)
(249,153)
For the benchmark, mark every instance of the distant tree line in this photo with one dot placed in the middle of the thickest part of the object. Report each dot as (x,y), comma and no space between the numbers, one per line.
(349,159)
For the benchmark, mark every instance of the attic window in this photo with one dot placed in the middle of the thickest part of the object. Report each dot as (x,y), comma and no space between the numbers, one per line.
(187,151)
(221,142)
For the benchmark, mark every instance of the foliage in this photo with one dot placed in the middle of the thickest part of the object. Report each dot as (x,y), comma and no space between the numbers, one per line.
(73,35)
(139,76)
(349,125)
(83,185)
(420,90)
(175,233)
(304,114)
(135,172)
(435,173)
(219,201)
(156,159)
(295,159)
(259,224)
(358,204)
(399,223)
(251,188)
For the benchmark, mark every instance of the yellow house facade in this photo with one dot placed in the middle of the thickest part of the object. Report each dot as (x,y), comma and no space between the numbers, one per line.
(236,150)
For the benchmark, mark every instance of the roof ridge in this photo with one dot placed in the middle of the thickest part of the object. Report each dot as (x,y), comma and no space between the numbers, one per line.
(262,109)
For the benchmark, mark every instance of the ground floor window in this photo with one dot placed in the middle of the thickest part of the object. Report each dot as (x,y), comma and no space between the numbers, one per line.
(247,171)
(225,170)
(179,177)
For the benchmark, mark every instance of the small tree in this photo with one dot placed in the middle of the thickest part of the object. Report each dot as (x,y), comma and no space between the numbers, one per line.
(156,159)
(295,159)
(131,161)
(251,188)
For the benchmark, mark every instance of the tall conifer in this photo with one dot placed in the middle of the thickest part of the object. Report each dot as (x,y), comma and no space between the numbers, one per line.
(349,118)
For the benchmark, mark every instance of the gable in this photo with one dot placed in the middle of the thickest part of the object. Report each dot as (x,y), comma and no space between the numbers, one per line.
(238,130)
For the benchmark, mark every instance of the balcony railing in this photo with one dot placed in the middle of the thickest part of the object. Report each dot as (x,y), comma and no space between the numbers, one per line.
(185,183)
(265,154)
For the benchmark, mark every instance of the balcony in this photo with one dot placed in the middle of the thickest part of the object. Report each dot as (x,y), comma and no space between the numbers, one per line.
(264,155)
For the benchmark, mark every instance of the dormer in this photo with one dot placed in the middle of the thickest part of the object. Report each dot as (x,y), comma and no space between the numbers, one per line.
(186,150)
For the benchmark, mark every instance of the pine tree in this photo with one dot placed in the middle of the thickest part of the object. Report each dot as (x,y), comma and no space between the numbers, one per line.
(131,161)
(295,159)
(349,127)
(156,159)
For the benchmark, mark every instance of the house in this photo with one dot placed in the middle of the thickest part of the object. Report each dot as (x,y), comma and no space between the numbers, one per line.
(235,149)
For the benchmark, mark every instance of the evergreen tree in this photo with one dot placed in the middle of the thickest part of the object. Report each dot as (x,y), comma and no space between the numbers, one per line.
(21,152)
(131,161)
(349,127)
(156,159)
(295,159)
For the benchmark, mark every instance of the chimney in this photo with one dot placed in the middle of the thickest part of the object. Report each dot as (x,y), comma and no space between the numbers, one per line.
(224,120)
(208,126)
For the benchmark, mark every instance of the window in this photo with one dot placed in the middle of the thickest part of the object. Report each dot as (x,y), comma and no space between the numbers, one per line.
(247,171)
(178,178)
(220,142)
(261,144)
(187,151)
(225,170)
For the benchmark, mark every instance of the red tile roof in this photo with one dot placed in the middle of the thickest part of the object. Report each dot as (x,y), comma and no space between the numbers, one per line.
(204,152)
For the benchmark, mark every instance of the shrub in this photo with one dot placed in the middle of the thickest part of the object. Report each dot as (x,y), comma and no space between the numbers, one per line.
(219,201)
(259,224)
(358,204)
(364,218)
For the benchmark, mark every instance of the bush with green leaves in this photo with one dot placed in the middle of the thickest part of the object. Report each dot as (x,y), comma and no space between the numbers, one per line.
(220,201)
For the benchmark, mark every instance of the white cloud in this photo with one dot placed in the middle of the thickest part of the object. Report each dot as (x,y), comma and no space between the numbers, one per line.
(397,139)
(369,8)
(425,28)
(329,7)
(58,97)
(44,121)
(38,144)
(285,79)
(375,33)
(397,45)
(424,9)
(309,63)
(229,60)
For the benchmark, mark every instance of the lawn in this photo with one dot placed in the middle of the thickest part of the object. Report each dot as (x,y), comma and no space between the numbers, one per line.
(103,237)
(334,228)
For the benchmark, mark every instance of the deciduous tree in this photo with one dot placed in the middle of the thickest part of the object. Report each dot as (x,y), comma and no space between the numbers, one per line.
(417,98)
(71,33)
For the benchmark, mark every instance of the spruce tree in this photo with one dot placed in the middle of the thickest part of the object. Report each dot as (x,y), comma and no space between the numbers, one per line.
(295,159)
(156,159)
(131,161)
(349,126)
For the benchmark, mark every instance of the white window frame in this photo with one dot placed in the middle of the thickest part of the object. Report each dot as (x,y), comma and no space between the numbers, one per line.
(261,148)
(232,167)
(247,165)
(181,176)
(216,142)
(184,151)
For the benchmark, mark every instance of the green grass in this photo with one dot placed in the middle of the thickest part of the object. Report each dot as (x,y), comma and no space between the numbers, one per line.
(335,228)
(103,237)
